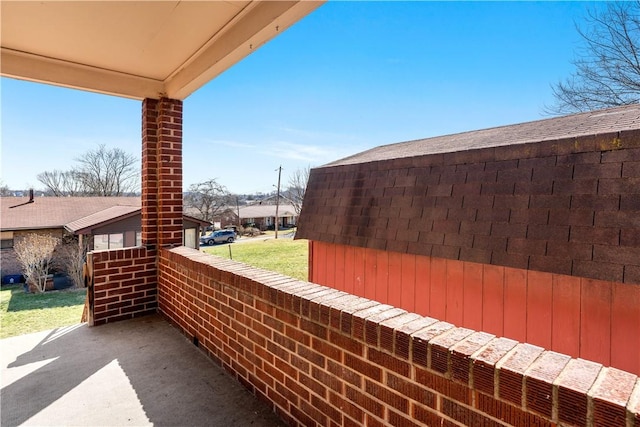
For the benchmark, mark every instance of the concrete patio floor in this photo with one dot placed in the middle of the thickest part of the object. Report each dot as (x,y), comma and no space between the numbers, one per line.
(130,373)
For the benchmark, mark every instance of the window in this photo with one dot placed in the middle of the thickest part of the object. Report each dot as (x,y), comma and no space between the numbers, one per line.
(108,241)
(138,238)
(116,241)
(100,242)
(7,239)
(190,238)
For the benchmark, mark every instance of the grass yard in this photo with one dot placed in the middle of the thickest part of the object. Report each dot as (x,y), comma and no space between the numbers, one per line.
(286,256)
(23,313)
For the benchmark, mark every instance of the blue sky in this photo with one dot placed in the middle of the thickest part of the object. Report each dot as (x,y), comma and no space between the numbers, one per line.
(349,77)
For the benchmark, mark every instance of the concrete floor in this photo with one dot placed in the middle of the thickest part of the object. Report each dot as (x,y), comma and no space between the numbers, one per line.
(131,373)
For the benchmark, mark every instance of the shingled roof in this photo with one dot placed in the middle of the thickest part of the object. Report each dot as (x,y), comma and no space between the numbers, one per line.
(109,215)
(559,195)
(264,211)
(54,212)
(558,128)
(76,214)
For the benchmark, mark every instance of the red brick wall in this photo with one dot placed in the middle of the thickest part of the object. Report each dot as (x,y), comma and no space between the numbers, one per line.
(162,172)
(587,318)
(10,263)
(324,357)
(124,282)
(123,285)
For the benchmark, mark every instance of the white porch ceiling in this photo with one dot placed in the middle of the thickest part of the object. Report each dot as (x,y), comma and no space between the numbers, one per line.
(136,49)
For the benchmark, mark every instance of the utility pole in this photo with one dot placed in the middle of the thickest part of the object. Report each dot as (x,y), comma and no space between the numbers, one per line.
(278,199)
(238,211)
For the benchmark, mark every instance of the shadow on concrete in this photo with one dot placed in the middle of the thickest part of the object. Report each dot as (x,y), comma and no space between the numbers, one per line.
(136,372)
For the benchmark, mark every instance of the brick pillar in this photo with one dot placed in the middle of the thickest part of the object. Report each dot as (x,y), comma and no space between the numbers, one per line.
(161,173)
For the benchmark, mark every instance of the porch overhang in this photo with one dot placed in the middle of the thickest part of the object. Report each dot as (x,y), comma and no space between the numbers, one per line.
(137,49)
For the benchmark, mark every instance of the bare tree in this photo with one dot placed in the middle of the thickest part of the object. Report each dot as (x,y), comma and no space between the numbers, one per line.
(297,187)
(35,254)
(208,199)
(108,172)
(70,256)
(62,183)
(4,189)
(608,64)
(101,172)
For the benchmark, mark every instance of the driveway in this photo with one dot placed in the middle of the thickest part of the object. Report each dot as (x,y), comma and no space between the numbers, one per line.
(131,373)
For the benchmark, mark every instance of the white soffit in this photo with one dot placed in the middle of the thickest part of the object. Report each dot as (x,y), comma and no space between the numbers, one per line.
(136,49)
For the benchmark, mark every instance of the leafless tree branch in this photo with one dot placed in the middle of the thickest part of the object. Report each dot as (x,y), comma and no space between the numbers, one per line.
(101,172)
(35,254)
(297,187)
(208,199)
(607,67)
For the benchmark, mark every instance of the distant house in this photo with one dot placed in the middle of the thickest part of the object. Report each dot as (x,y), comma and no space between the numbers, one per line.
(103,222)
(264,216)
(223,217)
(529,231)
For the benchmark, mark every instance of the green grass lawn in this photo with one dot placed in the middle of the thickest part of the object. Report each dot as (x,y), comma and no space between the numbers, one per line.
(23,313)
(286,256)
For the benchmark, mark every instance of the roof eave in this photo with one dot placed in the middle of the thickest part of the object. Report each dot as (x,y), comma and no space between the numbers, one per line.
(194,219)
(46,227)
(258,23)
(88,229)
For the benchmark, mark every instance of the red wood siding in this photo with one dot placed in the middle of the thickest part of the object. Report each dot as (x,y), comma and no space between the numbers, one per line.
(591,319)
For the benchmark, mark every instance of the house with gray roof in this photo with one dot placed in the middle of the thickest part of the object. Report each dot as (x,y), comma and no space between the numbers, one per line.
(264,216)
(103,222)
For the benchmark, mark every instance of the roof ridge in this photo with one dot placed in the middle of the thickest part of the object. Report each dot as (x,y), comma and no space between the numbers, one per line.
(595,122)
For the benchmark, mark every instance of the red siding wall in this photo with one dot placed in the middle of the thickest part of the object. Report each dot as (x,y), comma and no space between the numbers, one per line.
(587,318)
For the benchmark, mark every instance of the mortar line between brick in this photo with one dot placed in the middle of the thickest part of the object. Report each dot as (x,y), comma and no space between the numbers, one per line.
(632,403)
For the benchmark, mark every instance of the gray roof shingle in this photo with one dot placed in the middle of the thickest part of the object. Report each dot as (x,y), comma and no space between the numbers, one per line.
(54,212)
(112,213)
(264,211)
(573,126)
(76,214)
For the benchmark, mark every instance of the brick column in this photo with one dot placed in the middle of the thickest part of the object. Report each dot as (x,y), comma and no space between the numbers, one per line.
(161,173)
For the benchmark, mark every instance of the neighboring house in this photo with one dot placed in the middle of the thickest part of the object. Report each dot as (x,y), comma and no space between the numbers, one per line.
(261,215)
(103,222)
(529,231)
(120,227)
(225,216)
(264,216)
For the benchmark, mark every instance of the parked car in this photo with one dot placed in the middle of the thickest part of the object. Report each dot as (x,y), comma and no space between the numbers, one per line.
(233,228)
(220,236)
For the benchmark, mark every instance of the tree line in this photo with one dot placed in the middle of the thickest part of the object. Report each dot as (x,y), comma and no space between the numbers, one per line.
(209,200)
(114,172)
(99,172)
